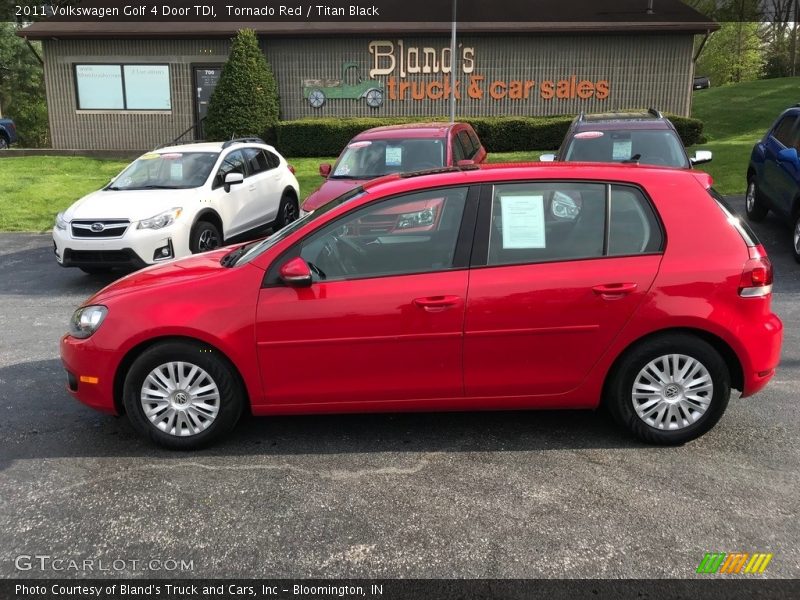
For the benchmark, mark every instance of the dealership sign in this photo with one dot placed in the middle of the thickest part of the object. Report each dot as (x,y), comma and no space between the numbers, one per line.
(400,63)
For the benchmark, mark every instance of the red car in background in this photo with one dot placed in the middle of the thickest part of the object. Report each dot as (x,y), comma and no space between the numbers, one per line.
(484,291)
(396,149)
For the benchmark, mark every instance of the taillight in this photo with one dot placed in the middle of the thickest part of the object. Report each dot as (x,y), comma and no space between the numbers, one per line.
(291,169)
(756,280)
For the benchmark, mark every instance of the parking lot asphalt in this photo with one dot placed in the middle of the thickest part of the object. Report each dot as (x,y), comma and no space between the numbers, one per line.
(535,494)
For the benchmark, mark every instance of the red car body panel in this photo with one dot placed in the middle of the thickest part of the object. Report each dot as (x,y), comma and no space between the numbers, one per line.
(510,337)
(333,188)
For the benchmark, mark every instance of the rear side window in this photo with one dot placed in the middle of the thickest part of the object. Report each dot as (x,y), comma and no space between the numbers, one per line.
(784,129)
(272,160)
(555,221)
(634,228)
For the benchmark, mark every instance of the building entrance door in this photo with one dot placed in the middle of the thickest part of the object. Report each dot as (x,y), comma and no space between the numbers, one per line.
(205,80)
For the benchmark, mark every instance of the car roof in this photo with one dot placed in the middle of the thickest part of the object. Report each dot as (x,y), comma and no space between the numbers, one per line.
(407,130)
(623,124)
(633,173)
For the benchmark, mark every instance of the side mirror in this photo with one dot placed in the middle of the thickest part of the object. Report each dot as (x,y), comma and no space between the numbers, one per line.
(233,179)
(325,170)
(789,155)
(701,156)
(295,272)
(547,158)
(465,162)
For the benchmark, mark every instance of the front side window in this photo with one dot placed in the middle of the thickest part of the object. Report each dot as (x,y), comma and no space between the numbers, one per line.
(256,160)
(368,159)
(413,233)
(234,162)
(123,87)
(783,132)
(172,170)
(556,221)
(660,147)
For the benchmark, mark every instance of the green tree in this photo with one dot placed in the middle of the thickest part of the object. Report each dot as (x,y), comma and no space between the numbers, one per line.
(245,101)
(734,53)
(22,96)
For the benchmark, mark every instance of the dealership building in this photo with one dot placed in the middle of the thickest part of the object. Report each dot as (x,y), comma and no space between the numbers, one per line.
(132,86)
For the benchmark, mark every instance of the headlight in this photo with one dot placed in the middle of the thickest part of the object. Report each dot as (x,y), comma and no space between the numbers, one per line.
(416,219)
(565,207)
(85,321)
(161,220)
(61,222)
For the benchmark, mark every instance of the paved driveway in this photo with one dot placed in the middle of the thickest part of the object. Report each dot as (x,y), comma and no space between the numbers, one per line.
(548,494)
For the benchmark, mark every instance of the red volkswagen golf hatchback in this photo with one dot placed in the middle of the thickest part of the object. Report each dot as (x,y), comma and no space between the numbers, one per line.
(514,287)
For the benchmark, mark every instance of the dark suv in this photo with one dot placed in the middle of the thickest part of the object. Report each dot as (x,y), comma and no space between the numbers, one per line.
(773,175)
(647,138)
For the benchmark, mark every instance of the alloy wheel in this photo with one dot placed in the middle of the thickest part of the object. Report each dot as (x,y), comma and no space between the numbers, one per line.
(180,398)
(750,198)
(797,237)
(208,240)
(289,212)
(672,392)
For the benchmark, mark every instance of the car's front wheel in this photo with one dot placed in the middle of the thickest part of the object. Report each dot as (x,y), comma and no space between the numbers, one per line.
(753,203)
(288,211)
(182,395)
(796,238)
(205,236)
(670,389)
(3,143)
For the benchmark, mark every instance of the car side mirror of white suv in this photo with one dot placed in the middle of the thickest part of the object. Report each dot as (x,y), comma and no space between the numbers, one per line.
(233,179)
(701,156)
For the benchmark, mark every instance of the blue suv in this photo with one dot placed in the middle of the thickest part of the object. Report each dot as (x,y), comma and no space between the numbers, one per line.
(773,175)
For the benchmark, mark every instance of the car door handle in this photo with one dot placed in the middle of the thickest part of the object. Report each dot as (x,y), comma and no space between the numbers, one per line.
(252,188)
(437,303)
(612,291)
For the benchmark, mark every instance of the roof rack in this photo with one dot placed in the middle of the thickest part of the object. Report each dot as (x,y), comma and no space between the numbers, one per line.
(655,112)
(243,140)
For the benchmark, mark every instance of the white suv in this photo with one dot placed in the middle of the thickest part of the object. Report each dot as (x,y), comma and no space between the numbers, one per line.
(176,201)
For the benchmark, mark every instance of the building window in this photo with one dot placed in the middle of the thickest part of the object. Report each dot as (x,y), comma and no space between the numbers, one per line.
(123,87)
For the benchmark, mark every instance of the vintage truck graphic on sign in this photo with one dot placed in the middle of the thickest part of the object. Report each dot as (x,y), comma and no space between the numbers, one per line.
(351,86)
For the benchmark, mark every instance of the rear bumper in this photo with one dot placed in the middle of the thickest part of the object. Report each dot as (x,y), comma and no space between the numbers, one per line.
(763,350)
(90,373)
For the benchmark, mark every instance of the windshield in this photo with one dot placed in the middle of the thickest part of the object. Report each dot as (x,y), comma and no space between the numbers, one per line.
(250,251)
(372,158)
(647,147)
(175,170)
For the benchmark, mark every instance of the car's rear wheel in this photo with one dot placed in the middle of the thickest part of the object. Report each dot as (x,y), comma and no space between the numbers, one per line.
(182,395)
(669,390)
(3,143)
(753,203)
(288,211)
(205,236)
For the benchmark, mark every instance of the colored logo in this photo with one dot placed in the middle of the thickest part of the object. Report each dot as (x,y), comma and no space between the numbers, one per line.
(734,562)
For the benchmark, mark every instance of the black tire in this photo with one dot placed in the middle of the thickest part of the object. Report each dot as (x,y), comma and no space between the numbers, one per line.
(796,237)
(754,205)
(4,145)
(205,236)
(95,270)
(288,211)
(231,394)
(619,391)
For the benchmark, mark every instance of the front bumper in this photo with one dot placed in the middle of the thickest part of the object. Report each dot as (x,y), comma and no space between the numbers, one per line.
(134,250)
(90,373)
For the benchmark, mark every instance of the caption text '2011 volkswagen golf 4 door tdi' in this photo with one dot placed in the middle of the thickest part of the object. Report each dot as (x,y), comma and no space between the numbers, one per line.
(516,287)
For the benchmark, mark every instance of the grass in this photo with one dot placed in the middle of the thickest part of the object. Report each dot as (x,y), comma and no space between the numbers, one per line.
(34,188)
(736,117)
